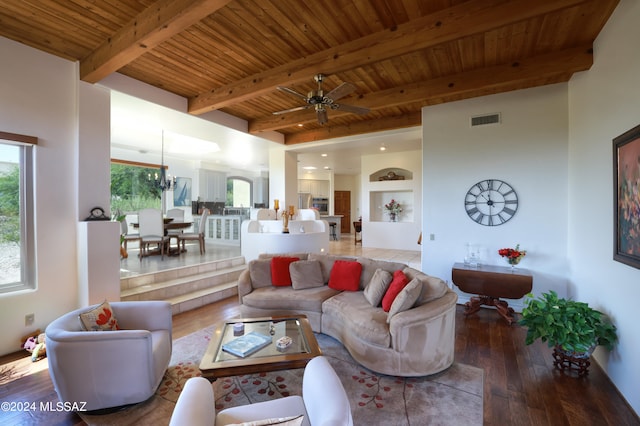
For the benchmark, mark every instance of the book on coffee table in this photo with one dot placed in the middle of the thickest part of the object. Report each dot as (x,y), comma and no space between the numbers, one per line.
(246,345)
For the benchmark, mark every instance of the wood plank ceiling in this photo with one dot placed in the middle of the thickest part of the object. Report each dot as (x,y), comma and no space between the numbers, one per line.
(400,54)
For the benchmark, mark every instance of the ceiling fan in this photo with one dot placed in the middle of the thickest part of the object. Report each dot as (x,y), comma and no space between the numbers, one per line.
(320,102)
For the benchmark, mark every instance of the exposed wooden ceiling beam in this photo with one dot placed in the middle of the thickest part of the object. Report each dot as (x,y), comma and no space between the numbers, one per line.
(369,126)
(472,17)
(157,23)
(535,68)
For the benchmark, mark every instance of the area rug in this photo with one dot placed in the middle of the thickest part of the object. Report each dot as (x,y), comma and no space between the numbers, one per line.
(453,397)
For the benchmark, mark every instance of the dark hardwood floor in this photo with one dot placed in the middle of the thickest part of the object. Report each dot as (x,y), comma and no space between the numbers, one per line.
(521,386)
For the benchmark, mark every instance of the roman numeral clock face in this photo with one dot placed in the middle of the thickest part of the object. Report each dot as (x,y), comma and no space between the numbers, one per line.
(491,202)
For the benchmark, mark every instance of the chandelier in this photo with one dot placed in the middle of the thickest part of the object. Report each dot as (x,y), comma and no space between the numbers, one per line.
(164,182)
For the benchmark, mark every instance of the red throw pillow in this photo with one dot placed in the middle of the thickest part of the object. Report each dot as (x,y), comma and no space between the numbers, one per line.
(345,275)
(280,275)
(399,282)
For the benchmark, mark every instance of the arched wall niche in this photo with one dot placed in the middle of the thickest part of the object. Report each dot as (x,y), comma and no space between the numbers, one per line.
(391,173)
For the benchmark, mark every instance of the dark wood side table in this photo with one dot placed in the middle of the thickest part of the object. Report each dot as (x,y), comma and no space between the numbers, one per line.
(491,284)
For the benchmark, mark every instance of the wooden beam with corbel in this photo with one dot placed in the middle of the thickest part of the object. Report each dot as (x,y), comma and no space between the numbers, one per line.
(157,23)
(362,127)
(497,78)
(472,17)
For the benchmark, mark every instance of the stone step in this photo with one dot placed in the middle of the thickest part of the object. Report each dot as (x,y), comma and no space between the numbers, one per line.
(179,272)
(196,299)
(187,287)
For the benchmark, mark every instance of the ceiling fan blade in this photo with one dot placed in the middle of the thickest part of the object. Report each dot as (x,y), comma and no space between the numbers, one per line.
(300,108)
(341,91)
(351,108)
(322,116)
(292,92)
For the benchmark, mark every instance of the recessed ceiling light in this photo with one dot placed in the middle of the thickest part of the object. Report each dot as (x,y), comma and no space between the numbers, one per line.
(323,155)
(327,168)
(300,125)
(309,168)
(383,148)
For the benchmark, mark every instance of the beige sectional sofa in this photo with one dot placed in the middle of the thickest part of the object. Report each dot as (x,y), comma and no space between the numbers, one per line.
(415,338)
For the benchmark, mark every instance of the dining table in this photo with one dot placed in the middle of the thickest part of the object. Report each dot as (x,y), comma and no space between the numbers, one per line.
(169,224)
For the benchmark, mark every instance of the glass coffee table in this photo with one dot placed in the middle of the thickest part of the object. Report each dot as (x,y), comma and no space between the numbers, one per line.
(217,362)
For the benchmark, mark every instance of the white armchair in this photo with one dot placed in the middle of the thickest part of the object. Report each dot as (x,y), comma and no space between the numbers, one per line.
(324,402)
(111,368)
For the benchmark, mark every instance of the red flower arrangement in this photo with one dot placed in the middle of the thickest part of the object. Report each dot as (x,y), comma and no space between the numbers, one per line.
(513,256)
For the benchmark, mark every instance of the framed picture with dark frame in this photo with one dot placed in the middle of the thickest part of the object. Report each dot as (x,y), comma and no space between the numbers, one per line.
(626,189)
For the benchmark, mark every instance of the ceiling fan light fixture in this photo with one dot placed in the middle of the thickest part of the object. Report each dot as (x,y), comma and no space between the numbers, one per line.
(321,102)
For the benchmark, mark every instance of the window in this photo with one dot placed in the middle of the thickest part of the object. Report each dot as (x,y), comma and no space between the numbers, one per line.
(134,186)
(238,192)
(17,242)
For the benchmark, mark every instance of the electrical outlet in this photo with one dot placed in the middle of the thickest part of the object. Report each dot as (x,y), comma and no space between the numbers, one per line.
(29,319)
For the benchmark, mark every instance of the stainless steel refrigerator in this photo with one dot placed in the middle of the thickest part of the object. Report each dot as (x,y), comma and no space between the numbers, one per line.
(304,200)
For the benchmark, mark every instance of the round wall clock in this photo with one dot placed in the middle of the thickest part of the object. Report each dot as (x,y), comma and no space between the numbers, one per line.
(491,202)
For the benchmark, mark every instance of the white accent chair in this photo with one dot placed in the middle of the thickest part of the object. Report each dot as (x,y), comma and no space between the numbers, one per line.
(324,402)
(151,226)
(195,236)
(109,369)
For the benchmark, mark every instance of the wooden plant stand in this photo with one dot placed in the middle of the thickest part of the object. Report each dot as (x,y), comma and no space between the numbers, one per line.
(564,361)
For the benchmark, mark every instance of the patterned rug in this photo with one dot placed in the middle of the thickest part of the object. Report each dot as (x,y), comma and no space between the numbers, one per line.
(453,397)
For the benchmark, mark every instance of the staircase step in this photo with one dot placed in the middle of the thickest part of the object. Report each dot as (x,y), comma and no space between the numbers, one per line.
(196,299)
(187,284)
(179,272)
(187,287)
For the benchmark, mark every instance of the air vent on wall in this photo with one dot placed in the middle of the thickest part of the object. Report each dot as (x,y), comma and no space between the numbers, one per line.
(482,120)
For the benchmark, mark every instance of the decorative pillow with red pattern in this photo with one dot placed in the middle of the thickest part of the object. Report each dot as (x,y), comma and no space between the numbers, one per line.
(100,318)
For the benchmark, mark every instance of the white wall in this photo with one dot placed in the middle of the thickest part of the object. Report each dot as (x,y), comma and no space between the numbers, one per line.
(603,103)
(402,235)
(39,95)
(528,150)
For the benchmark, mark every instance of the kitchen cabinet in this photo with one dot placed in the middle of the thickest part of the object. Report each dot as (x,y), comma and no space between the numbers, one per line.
(317,188)
(213,185)
(304,185)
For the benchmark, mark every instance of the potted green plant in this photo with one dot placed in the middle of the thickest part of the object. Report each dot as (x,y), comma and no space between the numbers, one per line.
(119,217)
(572,328)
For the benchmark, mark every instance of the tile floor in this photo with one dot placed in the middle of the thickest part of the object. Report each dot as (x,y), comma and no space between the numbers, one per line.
(132,266)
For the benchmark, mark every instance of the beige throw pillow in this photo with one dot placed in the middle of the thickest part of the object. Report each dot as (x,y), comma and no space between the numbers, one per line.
(260,273)
(377,287)
(406,298)
(306,274)
(433,287)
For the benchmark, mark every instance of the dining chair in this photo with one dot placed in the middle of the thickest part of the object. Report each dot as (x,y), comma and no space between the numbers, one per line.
(357,225)
(126,236)
(178,216)
(195,236)
(151,226)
